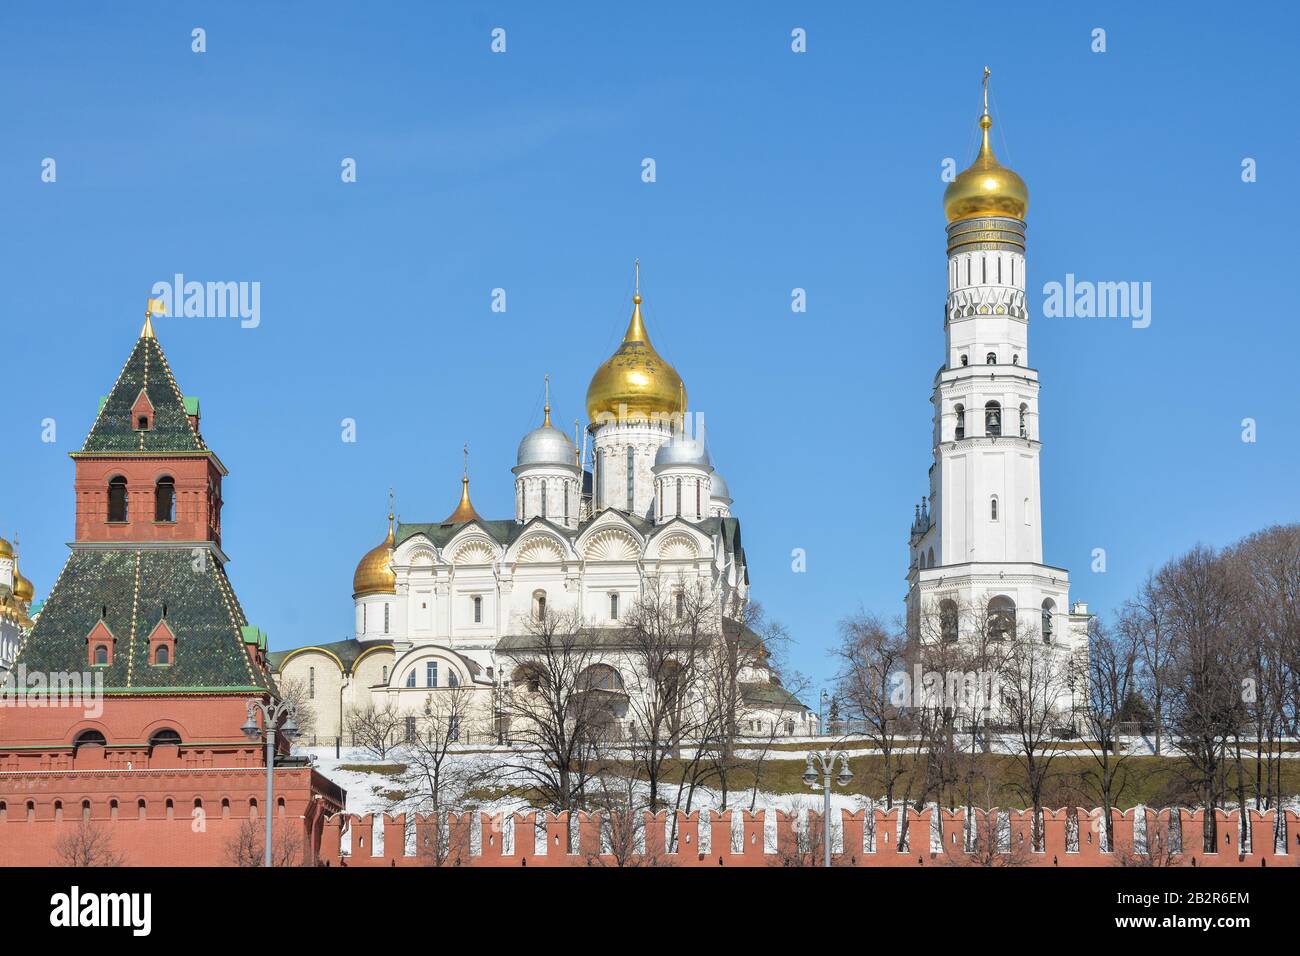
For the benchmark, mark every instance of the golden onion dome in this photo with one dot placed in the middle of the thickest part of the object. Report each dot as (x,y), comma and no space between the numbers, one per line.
(6,549)
(635,382)
(986,187)
(24,590)
(375,574)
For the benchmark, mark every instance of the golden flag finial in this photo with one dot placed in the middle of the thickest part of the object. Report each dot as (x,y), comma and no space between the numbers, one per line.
(152,305)
(636,271)
(985,83)
(577,448)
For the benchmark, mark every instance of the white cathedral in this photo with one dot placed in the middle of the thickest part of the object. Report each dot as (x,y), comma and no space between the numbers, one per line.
(16,608)
(976,541)
(444,603)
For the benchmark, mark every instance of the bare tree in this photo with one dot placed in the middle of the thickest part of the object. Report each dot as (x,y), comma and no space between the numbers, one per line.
(873,663)
(88,845)
(377,730)
(1112,668)
(247,847)
(436,778)
(1144,620)
(668,632)
(1034,692)
(554,707)
(1203,593)
(295,691)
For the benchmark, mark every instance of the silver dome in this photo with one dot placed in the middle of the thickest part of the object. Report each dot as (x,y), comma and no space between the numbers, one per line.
(546,445)
(718,487)
(683,451)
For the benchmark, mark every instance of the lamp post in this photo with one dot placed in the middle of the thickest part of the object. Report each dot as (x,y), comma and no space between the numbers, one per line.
(273,713)
(825,766)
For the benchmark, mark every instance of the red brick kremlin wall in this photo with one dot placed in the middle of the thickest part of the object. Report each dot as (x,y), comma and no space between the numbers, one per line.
(384,840)
(191,816)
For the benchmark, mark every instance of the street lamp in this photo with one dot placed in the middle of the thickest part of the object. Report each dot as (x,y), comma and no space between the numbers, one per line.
(824,768)
(273,713)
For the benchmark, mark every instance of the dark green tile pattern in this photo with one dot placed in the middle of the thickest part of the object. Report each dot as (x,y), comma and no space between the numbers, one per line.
(201,609)
(114,431)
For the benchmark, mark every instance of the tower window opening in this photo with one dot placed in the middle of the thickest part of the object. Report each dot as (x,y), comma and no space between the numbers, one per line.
(1001,617)
(960,412)
(698,493)
(1024,421)
(117,500)
(1048,608)
(965,359)
(544,499)
(993,508)
(164,500)
(991,358)
(948,620)
(478,609)
(1015,359)
(539,605)
(631,474)
(993,419)
(679,497)
(613,607)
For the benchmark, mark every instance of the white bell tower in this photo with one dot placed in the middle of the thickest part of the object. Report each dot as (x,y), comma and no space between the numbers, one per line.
(976,539)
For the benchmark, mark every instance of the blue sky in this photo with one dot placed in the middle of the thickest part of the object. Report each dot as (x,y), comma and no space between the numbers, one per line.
(522,171)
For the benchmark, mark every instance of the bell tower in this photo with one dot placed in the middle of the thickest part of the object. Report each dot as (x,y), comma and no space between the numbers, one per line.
(977,535)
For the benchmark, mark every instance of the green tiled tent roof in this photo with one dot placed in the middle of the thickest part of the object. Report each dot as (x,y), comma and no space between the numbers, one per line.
(127,588)
(114,431)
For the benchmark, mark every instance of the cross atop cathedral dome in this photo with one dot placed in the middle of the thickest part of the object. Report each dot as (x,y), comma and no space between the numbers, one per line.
(546,444)
(986,187)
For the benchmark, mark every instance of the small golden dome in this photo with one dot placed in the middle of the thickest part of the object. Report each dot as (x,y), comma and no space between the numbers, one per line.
(6,549)
(464,511)
(24,590)
(986,187)
(375,574)
(635,382)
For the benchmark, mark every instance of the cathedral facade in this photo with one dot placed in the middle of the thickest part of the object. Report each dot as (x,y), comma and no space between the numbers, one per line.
(450,603)
(16,608)
(976,568)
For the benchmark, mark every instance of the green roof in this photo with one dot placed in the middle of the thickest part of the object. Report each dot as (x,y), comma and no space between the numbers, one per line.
(127,588)
(346,651)
(769,693)
(191,405)
(146,370)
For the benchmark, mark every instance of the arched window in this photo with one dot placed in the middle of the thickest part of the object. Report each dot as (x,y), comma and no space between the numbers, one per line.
(699,485)
(166,737)
(993,508)
(101,654)
(410,678)
(960,412)
(1049,609)
(948,619)
(1002,617)
(965,359)
(453,679)
(929,561)
(920,560)
(679,604)
(992,419)
(162,655)
(311,683)
(991,358)
(385,618)
(384,673)
(478,609)
(1015,359)
(164,499)
(600,677)
(613,607)
(543,499)
(117,499)
(539,605)
(1024,420)
(89,738)
(1027,521)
